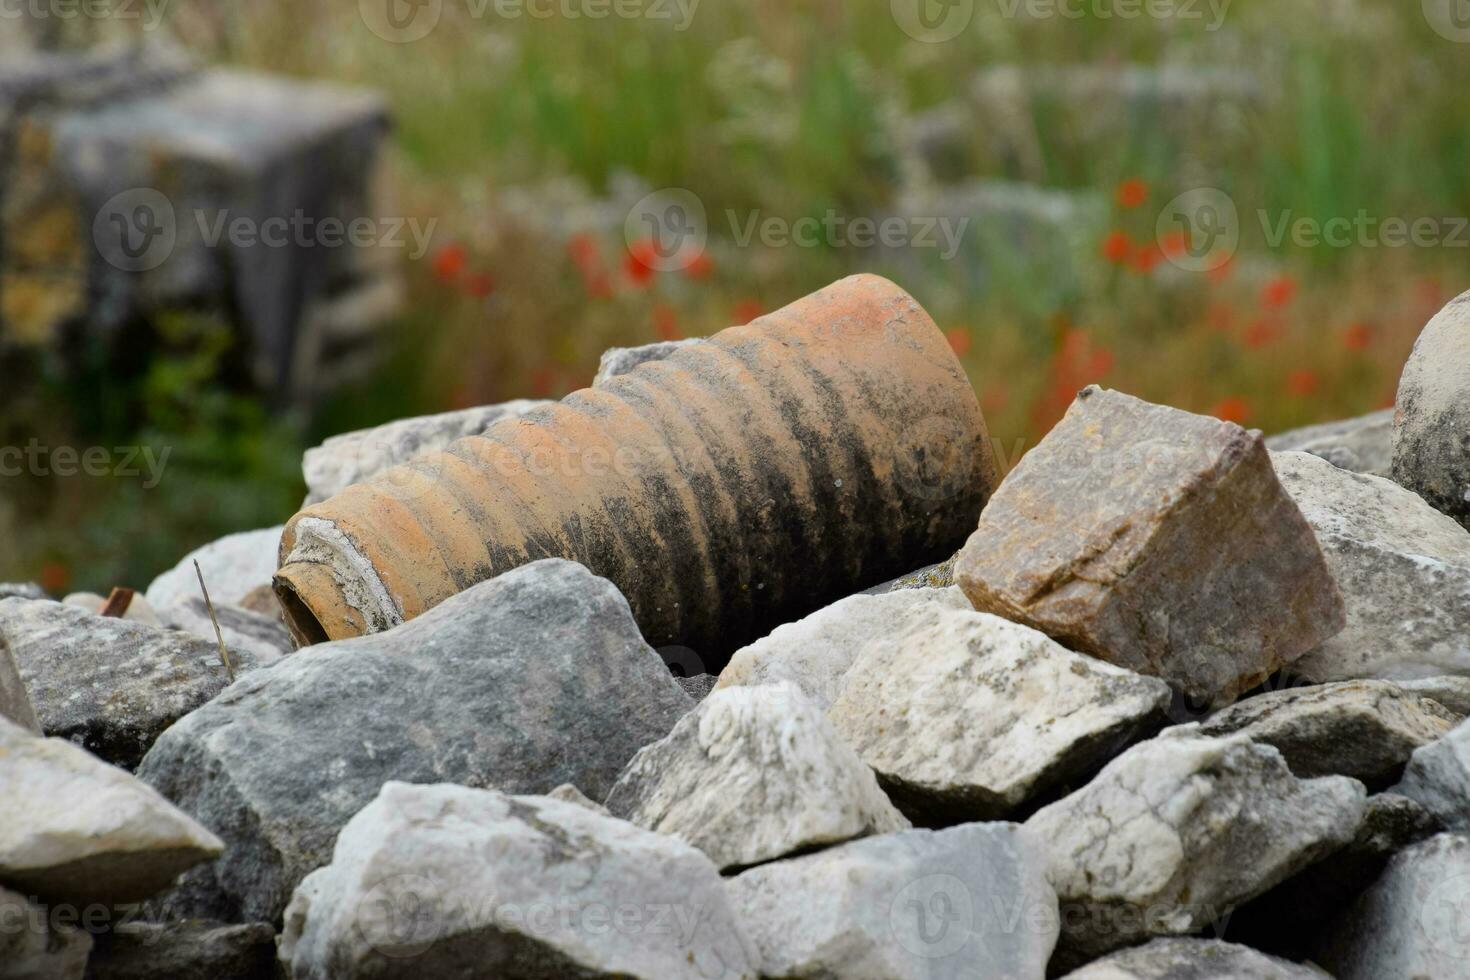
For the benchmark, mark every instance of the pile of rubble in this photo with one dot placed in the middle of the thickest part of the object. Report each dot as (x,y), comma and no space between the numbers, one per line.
(1180,706)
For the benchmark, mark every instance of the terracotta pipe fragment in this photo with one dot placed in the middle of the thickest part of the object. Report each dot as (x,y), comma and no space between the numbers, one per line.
(734,486)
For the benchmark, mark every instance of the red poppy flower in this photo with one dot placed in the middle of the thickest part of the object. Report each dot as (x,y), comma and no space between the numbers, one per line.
(479,285)
(1146,258)
(666,323)
(55,577)
(582,249)
(1222,271)
(745,311)
(1278,292)
(638,264)
(599,286)
(1302,383)
(959,340)
(543,379)
(1131,193)
(1260,334)
(449,262)
(1173,244)
(1117,247)
(1357,337)
(1232,409)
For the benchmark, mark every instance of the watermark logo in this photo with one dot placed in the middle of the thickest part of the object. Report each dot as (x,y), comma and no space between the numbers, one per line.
(401,21)
(933,917)
(668,229)
(935,459)
(122,462)
(933,21)
(1450,19)
(1199,230)
(1365,231)
(1444,916)
(136,231)
(400,917)
(150,13)
(1211,11)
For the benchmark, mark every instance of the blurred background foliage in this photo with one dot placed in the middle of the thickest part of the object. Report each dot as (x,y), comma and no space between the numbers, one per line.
(523,137)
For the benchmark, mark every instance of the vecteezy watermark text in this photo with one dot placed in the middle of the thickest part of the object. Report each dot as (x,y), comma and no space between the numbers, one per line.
(405,21)
(1365,231)
(301,230)
(936,21)
(150,13)
(124,462)
(841,231)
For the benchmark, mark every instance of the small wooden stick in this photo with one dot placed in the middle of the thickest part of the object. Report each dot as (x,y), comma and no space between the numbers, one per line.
(118,602)
(224,655)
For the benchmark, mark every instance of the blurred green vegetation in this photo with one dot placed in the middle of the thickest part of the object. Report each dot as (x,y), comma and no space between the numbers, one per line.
(793,108)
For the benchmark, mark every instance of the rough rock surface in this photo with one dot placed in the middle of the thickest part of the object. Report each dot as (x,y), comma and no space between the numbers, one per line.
(1450,691)
(21,590)
(439,881)
(262,638)
(110,685)
(1192,959)
(1438,776)
(233,567)
(568,793)
(75,830)
(1157,540)
(1431,431)
(357,456)
(1411,922)
(1288,919)
(1360,444)
(699,686)
(1403,568)
(815,653)
(532,679)
(940,576)
(621,360)
(15,703)
(967,902)
(753,774)
(32,948)
(185,951)
(1179,830)
(974,716)
(1363,729)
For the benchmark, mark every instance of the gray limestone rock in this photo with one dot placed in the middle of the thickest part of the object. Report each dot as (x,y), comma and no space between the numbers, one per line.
(110,685)
(444,881)
(975,716)
(753,774)
(263,639)
(15,703)
(1363,729)
(1438,776)
(815,653)
(1403,568)
(965,903)
(1450,691)
(1157,540)
(1431,430)
(1193,959)
(1179,830)
(185,951)
(527,681)
(233,567)
(77,831)
(32,948)
(1411,922)
(1360,444)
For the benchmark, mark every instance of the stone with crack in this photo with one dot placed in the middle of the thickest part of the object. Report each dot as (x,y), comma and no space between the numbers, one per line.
(975,716)
(110,685)
(438,881)
(815,653)
(74,830)
(1159,541)
(1363,729)
(1402,566)
(1431,429)
(751,775)
(1193,959)
(1179,830)
(967,902)
(33,946)
(535,678)
(1411,922)
(1438,776)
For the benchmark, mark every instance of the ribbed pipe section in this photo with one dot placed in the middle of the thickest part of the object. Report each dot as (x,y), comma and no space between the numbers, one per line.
(737,485)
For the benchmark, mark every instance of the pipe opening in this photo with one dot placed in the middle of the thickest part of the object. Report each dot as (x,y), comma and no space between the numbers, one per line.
(305,628)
